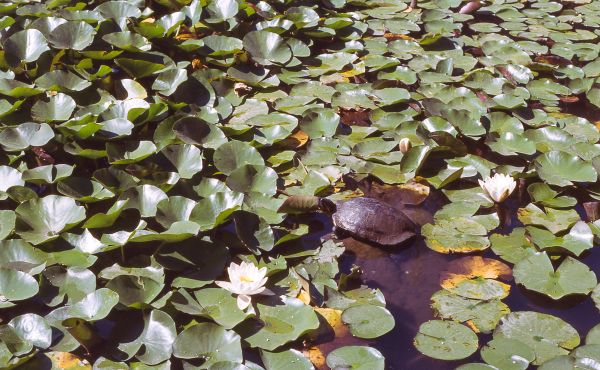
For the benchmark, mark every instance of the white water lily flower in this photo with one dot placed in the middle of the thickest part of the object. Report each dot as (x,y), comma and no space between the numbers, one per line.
(498,187)
(245,280)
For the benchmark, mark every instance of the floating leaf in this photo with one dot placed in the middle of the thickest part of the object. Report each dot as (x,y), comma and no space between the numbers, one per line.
(25,46)
(509,354)
(45,218)
(368,321)
(76,35)
(209,341)
(234,154)
(481,315)
(283,323)
(290,359)
(445,340)
(267,47)
(356,358)
(546,335)
(459,235)
(554,220)
(157,339)
(560,168)
(571,277)
(514,247)
(33,329)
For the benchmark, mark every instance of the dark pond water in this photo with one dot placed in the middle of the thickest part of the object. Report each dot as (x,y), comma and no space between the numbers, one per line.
(408,276)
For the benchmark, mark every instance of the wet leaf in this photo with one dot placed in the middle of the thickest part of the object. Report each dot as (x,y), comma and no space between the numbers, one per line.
(368,321)
(509,354)
(356,358)
(571,277)
(445,340)
(546,335)
(282,324)
(482,316)
(560,168)
(209,341)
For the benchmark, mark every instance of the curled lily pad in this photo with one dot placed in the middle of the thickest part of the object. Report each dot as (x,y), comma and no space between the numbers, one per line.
(57,108)
(33,329)
(25,46)
(43,219)
(76,35)
(25,135)
(157,339)
(267,47)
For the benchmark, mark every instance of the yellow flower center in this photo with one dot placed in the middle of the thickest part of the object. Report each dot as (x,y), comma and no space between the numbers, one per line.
(246,279)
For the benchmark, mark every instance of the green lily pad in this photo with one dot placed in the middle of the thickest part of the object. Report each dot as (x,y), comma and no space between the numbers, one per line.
(157,339)
(25,46)
(513,247)
(219,305)
(546,335)
(554,220)
(234,154)
(291,359)
(45,218)
(32,329)
(75,35)
(560,168)
(459,235)
(209,341)
(356,358)
(17,285)
(267,47)
(571,277)
(65,81)
(445,340)
(483,315)
(283,324)
(509,354)
(25,135)
(368,321)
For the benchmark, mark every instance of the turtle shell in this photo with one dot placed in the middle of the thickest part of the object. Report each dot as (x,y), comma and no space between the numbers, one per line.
(373,220)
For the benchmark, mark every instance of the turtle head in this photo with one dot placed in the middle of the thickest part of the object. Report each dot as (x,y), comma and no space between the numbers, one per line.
(327,206)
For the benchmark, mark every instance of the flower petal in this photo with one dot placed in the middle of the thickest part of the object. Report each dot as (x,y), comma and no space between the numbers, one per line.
(243,301)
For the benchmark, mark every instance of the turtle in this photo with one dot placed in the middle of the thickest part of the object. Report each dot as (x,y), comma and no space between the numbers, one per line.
(370,219)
